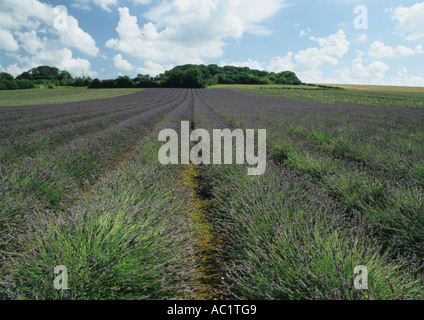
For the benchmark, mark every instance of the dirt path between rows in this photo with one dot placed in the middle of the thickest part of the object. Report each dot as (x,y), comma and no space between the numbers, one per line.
(208,269)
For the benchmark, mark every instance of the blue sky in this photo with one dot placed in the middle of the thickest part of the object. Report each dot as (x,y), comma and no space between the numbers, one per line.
(323,41)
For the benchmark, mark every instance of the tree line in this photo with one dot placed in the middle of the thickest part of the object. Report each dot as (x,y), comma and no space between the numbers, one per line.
(46,76)
(200,76)
(186,76)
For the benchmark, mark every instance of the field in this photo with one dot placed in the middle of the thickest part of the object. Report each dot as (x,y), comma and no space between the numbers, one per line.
(58,95)
(366,95)
(81,186)
(379,88)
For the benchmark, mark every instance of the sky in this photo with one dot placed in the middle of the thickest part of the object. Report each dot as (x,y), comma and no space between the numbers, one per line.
(377,42)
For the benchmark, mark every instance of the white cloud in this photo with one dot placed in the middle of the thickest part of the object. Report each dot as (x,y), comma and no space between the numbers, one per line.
(256,65)
(153,69)
(20,13)
(104,4)
(403,79)
(279,64)
(121,63)
(304,32)
(57,57)
(379,50)
(7,41)
(306,63)
(14,69)
(149,67)
(75,66)
(363,37)
(7,21)
(37,42)
(373,73)
(410,21)
(141,1)
(80,5)
(31,14)
(191,30)
(334,45)
(77,38)
(30,42)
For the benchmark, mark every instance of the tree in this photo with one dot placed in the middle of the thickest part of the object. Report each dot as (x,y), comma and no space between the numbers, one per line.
(143,77)
(108,84)
(45,75)
(95,84)
(6,76)
(145,81)
(10,85)
(40,73)
(224,79)
(7,82)
(193,78)
(25,84)
(187,76)
(65,78)
(287,77)
(124,82)
(213,69)
(199,76)
(82,82)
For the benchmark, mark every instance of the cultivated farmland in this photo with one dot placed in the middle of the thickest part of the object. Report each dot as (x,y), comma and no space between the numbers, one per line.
(81,186)
(58,95)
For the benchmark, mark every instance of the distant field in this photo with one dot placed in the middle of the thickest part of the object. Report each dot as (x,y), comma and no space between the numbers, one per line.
(379,88)
(388,96)
(58,95)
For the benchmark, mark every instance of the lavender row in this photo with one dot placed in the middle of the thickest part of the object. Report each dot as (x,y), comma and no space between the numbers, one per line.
(32,144)
(41,112)
(392,202)
(380,153)
(44,118)
(132,228)
(286,238)
(56,178)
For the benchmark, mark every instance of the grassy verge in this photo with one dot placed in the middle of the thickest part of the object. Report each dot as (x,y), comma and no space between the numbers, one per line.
(58,95)
(378,88)
(327,95)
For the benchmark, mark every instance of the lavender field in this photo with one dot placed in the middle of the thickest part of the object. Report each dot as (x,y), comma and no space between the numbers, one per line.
(81,186)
